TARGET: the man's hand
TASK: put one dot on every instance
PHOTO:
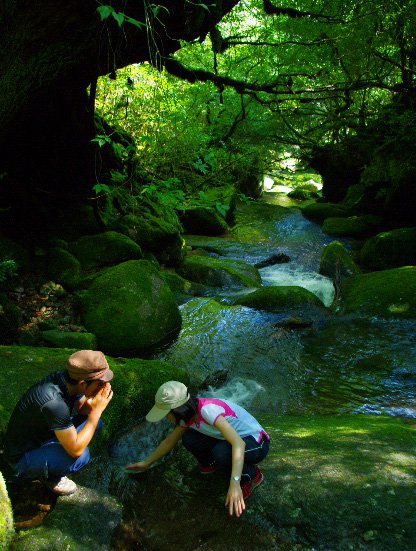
(138, 467)
(235, 500)
(100, 401)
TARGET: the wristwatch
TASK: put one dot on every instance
(235, 478)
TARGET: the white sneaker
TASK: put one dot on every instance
(63, 487)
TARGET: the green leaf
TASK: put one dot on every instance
(105, 11)
(136, 23)
(119, 17)
(101, 188)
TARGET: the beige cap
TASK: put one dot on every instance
(89, 365)
(170, 395)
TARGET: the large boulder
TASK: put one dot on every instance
(318, 212)
(218, 272)
(130, 309)
(352, 226)
(203, 220)
(155, 232)
(279, 298)
(6, 517)
(336, 262)
(104, 249)
(390, 249)
(387, 294)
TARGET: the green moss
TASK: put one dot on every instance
(203, 221)
(103, 249)
(218, 272)
(130, 309)
(390, 249)
(336, 262)
(354, 226)
(68, 339)
(63, 267)
(344, 482)
(6, 517)
(278, 299)
(134, 384)
(388, 294)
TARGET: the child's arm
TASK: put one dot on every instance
(234, 500)
(163, 448)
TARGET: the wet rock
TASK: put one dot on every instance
(353, 226)
(218, 272)
(336, 262)
(318, 212)
(203, 221)
(278, 298)
(390, 249)
(279, 258)
(293, 323)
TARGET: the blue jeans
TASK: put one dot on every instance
(207, 450)
(50, 461)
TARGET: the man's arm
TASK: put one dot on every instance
(73, 442)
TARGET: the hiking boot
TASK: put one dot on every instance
(208, 469)
(62, 487)
(257, 479)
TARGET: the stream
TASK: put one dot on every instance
(337, 365)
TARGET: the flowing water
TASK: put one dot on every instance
(337, 365)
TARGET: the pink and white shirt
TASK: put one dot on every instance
(209, 409)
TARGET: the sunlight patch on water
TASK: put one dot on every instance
(285, 274)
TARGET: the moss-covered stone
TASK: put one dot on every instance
(103, 249)
(6, 517)
(304, 192)
(344, 482)
(203, 221)
(353, 226)
(11, 250)
(130, 309)
(318, 212)
(160, 235)
(68, 339)
(388, 293)
(63, 267)
(182, 287)
(226, 196)
(218, 272)
(336, 262)
(134, 384)
(278, 299)
(390, 249)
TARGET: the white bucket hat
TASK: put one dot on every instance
(170, 395)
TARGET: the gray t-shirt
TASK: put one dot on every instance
(43, 409)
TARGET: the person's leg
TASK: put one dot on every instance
(50, 461)
(253, 454)
(200, 446)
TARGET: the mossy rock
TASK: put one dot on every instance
(390, 249)
(343, 482)
(226, 196)
(203, 221)
(387, 294)
(134, 384)
(318, 212)
(68, 339)
(336, 262)
(63, 267)
(10, 319)
(130, 309)
(304, 192)
(279, 299)
(218, 272)
(353, 226)
(104, 249)
(182, 287)
(157, 234)
(6, 517)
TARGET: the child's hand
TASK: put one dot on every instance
(137, 467)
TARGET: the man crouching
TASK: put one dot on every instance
(44, 439)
